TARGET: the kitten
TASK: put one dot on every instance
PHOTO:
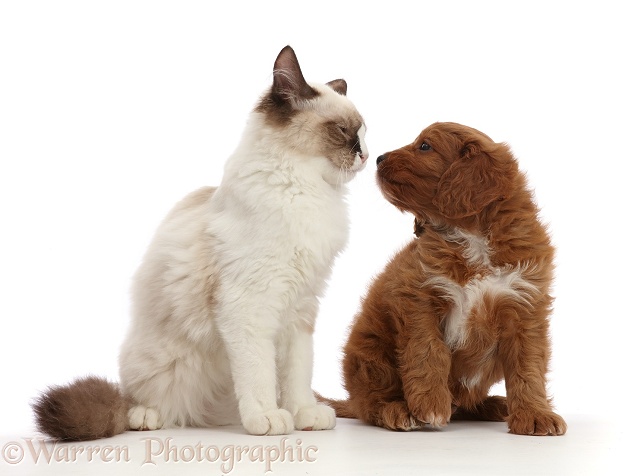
(225, 300)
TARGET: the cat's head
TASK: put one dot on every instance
(316, 121)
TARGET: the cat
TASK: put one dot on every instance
(225, 300)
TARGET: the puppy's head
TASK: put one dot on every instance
(449, 172)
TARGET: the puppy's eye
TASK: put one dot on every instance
(425, 146)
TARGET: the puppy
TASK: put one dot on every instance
(465, 304)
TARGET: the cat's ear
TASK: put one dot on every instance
(288, 80)
(339, 86)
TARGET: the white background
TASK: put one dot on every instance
(111, 111)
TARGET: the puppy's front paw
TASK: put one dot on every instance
(315, 417)
(396, 416)
(537, 423)
(434, 408)
(272, 422)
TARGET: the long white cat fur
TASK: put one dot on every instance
(225, 301)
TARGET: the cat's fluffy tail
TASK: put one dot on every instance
(87, 409)
(342, 407)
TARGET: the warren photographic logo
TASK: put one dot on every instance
(157, 451)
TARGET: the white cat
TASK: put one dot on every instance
(225, 301)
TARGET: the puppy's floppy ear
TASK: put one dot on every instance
(476, 179)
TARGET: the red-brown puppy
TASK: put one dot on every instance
(465, 304)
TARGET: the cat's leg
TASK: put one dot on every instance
(295, 363)
(139, 380)
(171, 384)
(251, 352)
(141, 417)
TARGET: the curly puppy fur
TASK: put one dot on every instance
(462, 306)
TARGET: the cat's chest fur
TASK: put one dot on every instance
(284, 226)
(284, 209)
(277, 225)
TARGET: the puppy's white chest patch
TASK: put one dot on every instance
(493, 282)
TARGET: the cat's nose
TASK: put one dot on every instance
(381, 158)
(364, 157)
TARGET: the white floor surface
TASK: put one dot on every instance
(591, 447)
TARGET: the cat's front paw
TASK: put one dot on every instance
(143, 418)
(315, 417)
(272, 422)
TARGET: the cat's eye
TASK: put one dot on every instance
(425, 146)
(343, 129)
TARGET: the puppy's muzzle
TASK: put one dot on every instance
(381, 158)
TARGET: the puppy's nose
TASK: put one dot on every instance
(381, 158)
